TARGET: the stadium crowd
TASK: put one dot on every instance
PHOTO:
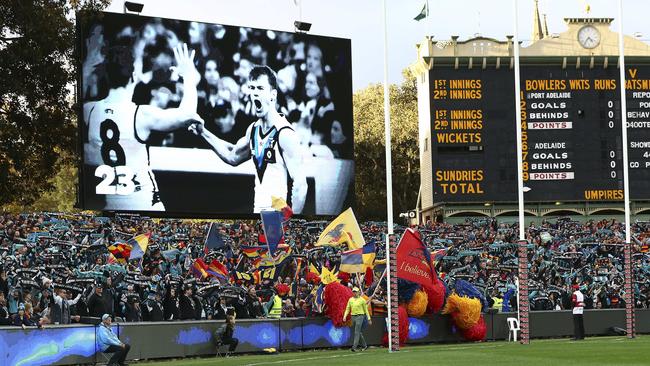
(62, 268)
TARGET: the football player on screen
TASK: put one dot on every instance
(270, 141)
(118, 130)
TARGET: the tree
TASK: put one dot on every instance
(370, 185)
(63, 195)
(37, 115)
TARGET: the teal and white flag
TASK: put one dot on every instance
(424, 12)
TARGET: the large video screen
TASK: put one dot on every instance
(204, 119)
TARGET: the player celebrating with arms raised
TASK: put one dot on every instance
(118, 129)
(270, 141)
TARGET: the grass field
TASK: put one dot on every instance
(556, 352)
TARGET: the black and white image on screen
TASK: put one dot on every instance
(158, 87)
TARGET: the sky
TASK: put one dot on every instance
(362, 21)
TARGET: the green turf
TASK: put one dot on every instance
(556, 352)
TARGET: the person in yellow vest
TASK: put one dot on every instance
(358, 308)
(273, 308)
(498, 303)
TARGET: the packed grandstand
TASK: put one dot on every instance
(90, 260)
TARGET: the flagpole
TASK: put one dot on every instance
(378, 283)
(427, 20)
(389, 180)
(241, 256)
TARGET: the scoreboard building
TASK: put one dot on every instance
(571, 125)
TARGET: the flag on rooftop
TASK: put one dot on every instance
(424, 12)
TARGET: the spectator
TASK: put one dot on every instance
(153, 308)
(221, 309)
(186, 304)
(255, 309)
(97, 303)
(273, 308)
(60, 313)
(4, 311)
(22, 318)
(4, 286)
(109, 343)
(479, 250)
(133, 311)
(171, 305)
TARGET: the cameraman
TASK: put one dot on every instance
(224, 335)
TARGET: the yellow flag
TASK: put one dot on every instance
(344, 230)
(278, 203)
(327, 276)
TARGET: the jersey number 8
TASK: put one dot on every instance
(112, 152)
(116, 177)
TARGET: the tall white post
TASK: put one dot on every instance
(520, 178)
(630, 315)
(389, 177)
(522, 290)
(626, 180)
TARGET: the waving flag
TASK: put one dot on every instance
(313, 269)
(214, 239)
(243, 276)
(253, 252)
(344, 230)
(352, 261)
(328, 276)
(319, 302)
(199, 269)
(120, 251)
(299, 262)
(218, 270)
(272, 223)
(139, 244)
(414, 259)
(424, 12)
(111, 259)
(438, 254)
(283, 253)
(369, 253)
(281, 205)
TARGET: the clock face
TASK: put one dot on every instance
(588, 36)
